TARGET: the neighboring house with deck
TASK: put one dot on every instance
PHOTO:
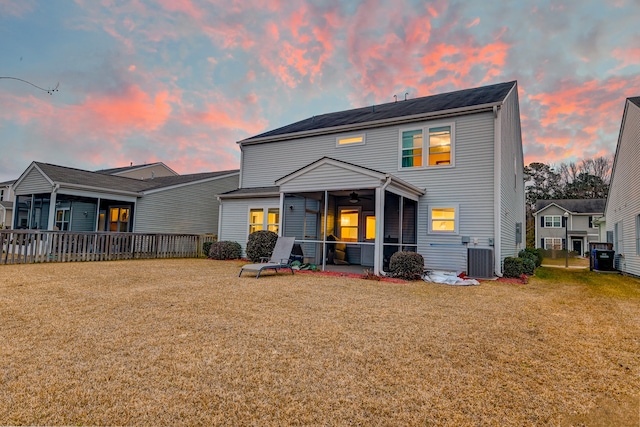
(572, 219)
(441, 175)
(623, 202)
(52, 197)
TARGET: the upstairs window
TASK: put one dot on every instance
(438, 150)
(350, 140)
(552, 221)
(412, 148)
(440, 146)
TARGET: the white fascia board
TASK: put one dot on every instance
(375, 124)
(333, 162)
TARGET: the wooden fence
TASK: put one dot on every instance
(31, 246)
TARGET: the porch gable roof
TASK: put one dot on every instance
(327, 173)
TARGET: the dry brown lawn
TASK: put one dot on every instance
(186, 342)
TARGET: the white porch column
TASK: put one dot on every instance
(282, 213)
(378, 248)
(52, 208)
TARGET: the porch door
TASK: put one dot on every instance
(369, 230)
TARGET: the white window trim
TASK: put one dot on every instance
(425, 146)
(349, 136)
(456, 219)
(265, 217)
(358, 226)
(552, 221)
(552, 239)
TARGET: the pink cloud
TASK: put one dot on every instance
(132, 108)
(182, 6)
(473, 23)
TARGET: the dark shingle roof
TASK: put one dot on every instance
(68, 175)
(429, 104)
(63, 174)
(168, 181)
(6, 183)
(575, 205)
(635, 100)
(257, 191)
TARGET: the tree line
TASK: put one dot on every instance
(587, 179)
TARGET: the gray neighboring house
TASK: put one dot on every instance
(622, 212)
(580, 225)
(52, 197)
(6, 204)
(441, 175)
(147, 171)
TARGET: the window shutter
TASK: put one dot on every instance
(564, 221)
(542, 221)
(564, 244)
(590, 221)
(542, 243)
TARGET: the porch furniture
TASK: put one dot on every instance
(280, 258)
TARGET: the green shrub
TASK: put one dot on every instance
(225, 250)
(406, 265)
(206, 247)
(528, 266)
(513, 267)
(534, 254)
(261, 244)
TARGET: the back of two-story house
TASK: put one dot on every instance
(568, 223)
(438, 175)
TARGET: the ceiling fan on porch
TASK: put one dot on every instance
(356, 198)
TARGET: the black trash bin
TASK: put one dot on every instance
(603, 259)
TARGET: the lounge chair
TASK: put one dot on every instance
(279, 258)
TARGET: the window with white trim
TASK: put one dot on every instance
(437, 150)
(443, 219)
(264, 219)
(343, 141)
(553, 243)
(553, 221)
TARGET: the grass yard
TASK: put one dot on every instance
(186, 342)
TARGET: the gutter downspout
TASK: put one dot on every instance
(497, 203)
(378, 244)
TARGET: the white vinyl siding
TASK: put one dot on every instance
(235, 217)
(469, 184)
(187, 209)
(623, 203)
(33, 183)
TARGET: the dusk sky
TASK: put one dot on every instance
(181, 81)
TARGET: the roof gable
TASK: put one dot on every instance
(451, 101)
(576, 206)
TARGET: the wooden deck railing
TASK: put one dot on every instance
(31, 246)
